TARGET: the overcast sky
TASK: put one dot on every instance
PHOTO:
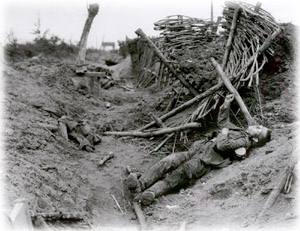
(116, 18)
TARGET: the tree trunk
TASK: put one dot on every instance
(92, 12)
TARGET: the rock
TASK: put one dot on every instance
(107, 104)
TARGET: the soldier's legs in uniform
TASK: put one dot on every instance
(192, 169)
(158, 170)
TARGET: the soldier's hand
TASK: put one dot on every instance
(229, 98)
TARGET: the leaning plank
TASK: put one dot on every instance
(231, 89)
(156, 132)
(230, 38)
(165, 61)
(140, 215)
(187, 104)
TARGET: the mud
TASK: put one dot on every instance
(55, 176)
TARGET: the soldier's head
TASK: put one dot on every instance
(259, 134)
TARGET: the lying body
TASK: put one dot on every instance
(178, 169)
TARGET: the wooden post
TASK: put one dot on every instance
(230, 38)
(231, 89)
(92, 12)
(257, 6)
(211, 12)
(166, 62)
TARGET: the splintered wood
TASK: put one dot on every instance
(92, 12)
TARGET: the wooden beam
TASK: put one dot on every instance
(232, 90)
(156, 132)
(164, 60)
(230, 37)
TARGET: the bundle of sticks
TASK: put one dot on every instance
(178, 31)
(249, 31)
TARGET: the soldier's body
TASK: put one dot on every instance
(177, 169)
(80, 131)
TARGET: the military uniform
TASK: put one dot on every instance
(80, 132)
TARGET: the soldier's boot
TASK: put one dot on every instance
(132, 182)
(156, 190)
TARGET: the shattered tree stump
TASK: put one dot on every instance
(92, 12)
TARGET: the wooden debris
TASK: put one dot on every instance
(166, 62)
(92, 12)
(62, 127)
(278, 187)
(59, 216)
(230, 38)
(109, 156)
(140, 215)
(157, 120)
(185, 105)
(117, 203)
(162, 143)
(231, 89)
(155, 133)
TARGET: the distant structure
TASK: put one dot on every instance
(111, 45)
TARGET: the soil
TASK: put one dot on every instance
(56, 176)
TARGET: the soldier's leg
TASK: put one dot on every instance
(192, 169)
(158, 170)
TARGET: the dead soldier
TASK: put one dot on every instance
(80, 132)
(178, 169)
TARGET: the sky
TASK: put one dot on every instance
(116, 18)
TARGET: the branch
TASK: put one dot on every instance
(155, 133)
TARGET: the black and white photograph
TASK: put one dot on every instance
(149, 115)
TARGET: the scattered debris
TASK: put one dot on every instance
(106, 158)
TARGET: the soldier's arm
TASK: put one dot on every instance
(232, 140)
(223, 116)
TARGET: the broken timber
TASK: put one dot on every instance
(140, 215)
(92, 12)
(215, 88)
(231, 89)
(166, 62)
(230, 38)
(277, 189)
(155, 133)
